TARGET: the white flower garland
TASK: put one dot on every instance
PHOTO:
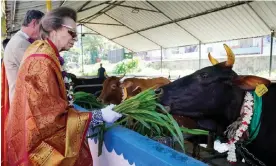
(247, 112)
(70, 90)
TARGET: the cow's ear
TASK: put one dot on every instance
(128, 84)
(248, 82)
(136, 90)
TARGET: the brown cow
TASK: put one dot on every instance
(133, 86)
(112, 88)
(111, 92)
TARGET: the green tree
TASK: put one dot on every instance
(99, 44)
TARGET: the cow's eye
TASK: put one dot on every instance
(204, 75)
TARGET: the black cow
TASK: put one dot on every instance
(82, 84)
(213, 96)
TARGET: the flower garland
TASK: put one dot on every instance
(246, 114)
(68, 83)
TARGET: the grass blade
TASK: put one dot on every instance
(194, 131)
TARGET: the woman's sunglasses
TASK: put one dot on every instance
(71, 32)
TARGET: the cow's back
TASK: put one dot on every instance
(153, 82)
(264, 146)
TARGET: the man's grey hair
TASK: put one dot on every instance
(30, 15)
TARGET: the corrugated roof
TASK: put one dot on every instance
(90, 12)
(147, 25)
(179, 9)
(104, 19)
(21, 8)
(266, 10)
(139, 4)
(232, 23)
(74, 4)
(136, 43)
(92, 3)
(170, 35)
(86, 29)
(139, 20)
(109, 31)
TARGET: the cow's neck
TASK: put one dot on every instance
(231, 111)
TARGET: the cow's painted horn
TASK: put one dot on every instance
(230, 56)
(212, 60)
(124, 94)
(122, 78)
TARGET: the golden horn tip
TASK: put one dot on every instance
(212, 60)
(230, 55)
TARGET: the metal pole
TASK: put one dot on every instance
(271, 50)
(48, 5)
(210, 141)
(161, 60)
(199, 56)
(81, 52)
(4, 23)
(13, 14)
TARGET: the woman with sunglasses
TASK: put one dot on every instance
(42, 128)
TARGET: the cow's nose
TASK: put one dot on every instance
(167, 108)
(99, 100)
(159, 91)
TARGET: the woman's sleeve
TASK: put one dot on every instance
(97, 117)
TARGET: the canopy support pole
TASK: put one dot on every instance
(48, 5)
(81, 51)
(199, 56)
(271, 52)
(161, 60)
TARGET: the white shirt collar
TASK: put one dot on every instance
(24, 34)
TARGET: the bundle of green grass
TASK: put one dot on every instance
(144, 115)
(140, 114)
(87, 100)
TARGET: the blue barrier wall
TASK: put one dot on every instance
(143, 151)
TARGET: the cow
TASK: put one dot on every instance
(133, 86)
(80, 84)
(213, 97)
(113, 87)
(112, 93)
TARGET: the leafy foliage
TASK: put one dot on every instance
(126, 66)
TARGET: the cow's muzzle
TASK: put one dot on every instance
(159, 92)
(167, 108)
(99, 100)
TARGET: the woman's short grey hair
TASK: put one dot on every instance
(54, 19)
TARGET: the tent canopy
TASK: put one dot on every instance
(148, 25)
